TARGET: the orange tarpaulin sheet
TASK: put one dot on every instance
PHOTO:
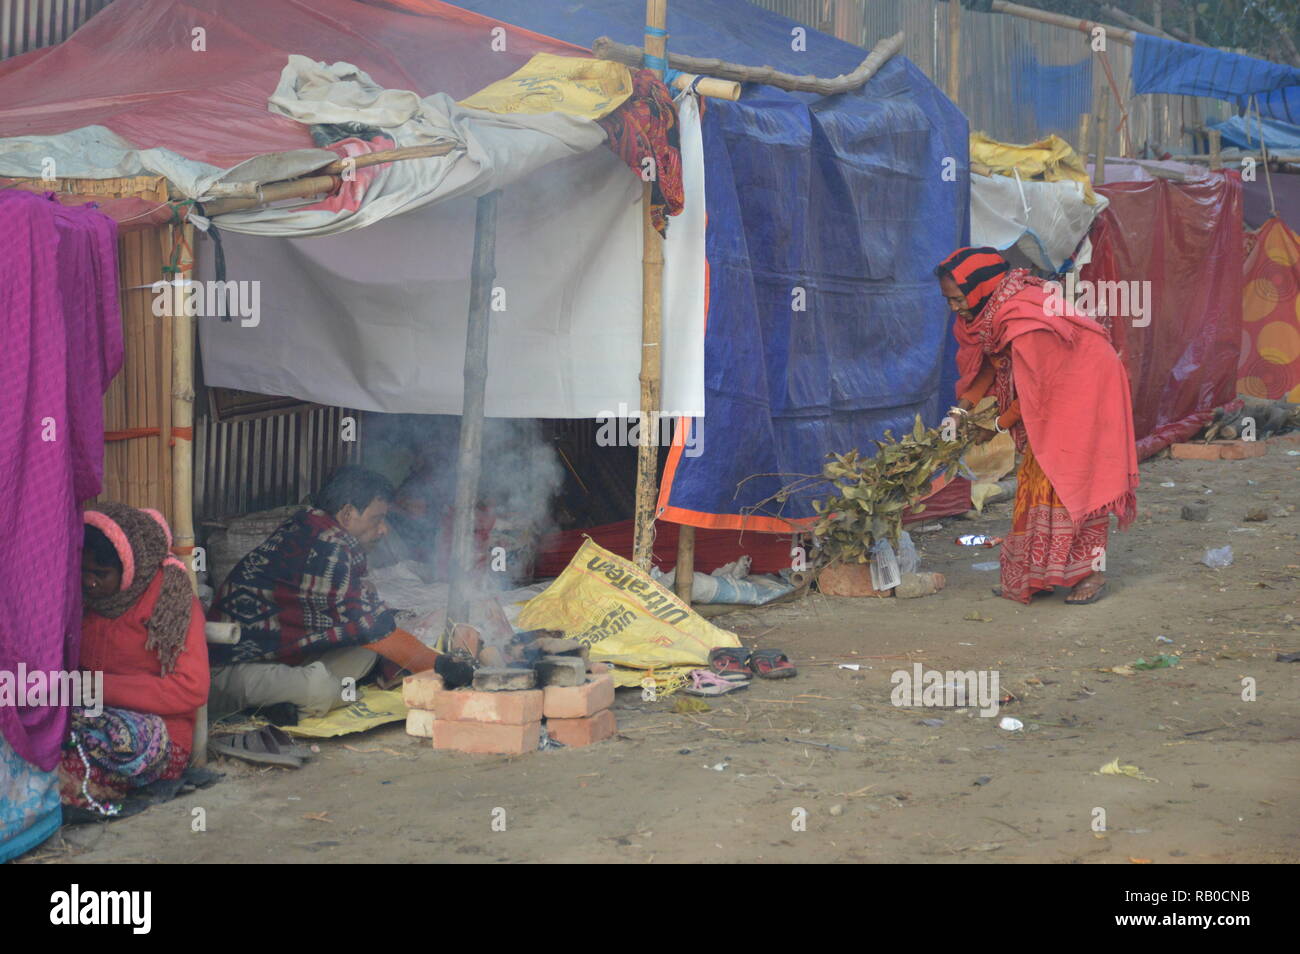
(1270, 314)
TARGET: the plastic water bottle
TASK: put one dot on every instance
(908, 561)
(884, 565)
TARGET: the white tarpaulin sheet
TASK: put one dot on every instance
(375, 319)
(1044, 220)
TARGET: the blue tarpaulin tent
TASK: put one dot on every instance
(1168, 66)
(843, 204)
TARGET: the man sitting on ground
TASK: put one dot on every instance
(309, 618)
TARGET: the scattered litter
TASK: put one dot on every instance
(1216, 559)
(1131, 771)
(977, 540)
(985, 567)
(932, 723)
(983, 779)
(974, 617)
(965, 644)
(687, 706)
(853, 666)
(1139, 861)
(1293, 453)
(1159, 661)
(1010, 724)
(1163, 639)
(1288, 657)
(1168, 483)
(837, 810)
(717, 766)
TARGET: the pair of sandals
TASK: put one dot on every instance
(264, 746)
(732, 668)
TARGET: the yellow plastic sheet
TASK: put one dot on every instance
(1051, 159)
(626, 618)
(373, 708)
(547, 83)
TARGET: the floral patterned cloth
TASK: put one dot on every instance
(1045, 548)
(29, 804)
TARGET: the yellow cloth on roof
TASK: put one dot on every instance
(579, 86)
(1050, 159)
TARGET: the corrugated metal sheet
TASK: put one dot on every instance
(994, 51)
(248, 465)
(30, 24)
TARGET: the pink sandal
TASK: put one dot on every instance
(706, 683)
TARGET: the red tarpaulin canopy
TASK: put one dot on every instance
(135, 69)
(1186, 239)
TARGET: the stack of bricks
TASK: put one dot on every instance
(498, 717)
(505, 722)
(580, 715)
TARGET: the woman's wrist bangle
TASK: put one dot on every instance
(997, 423)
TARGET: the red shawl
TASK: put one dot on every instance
(1074, 394)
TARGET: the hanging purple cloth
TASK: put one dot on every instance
(60, 345)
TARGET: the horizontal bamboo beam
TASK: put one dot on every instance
(327, 179)
(607, 49)
(1119, 34)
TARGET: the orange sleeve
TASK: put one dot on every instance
(405, 650)
(980, 386)
(1010, 416)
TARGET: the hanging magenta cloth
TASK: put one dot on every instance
(62, 331)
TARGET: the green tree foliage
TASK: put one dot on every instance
(1262, 28)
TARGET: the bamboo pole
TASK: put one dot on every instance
(180, 432)
(1103, 105)
(684, 580)
(607, 49)
(1216, 154)
(470, 461)
(954, 49)
(652, 279)
(1119, 34)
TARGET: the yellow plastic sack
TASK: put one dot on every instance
(988, 463)
(1050, 159)
(626, 618)
(578, 86)
(373, 708)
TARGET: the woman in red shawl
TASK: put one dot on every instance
(1064, 397)
(143, 628)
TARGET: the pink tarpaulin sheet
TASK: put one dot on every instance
(62, 333)
(1185, 238)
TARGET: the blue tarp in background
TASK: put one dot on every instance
(842, 196)
(1055, 95)
(1168, 66)
(1243, 133)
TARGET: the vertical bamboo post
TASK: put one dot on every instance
(684, 580)
(470, 462)
(1099, 97)
(1216, 149)
(652, 271)
(182, 417)
(954, 49)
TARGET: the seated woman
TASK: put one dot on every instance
(143, 628)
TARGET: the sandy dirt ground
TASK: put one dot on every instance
(876, 783)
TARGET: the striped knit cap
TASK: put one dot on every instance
(977, 272)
